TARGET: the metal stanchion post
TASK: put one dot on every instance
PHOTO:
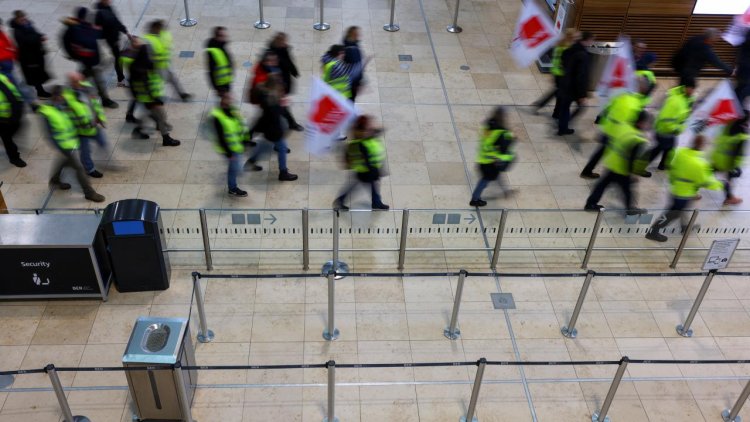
(206, 240)
(61, 399)
(331, 332)
(261, 24)
(454, 28)
(481, 364)
(601, 415)
(592, 239)
(452, 332)
(321, 25)
(179, 379)
(331, 365)
(684, 329)
(392, 27)
(733, 414)
(305, 239)
(570, 331)
(187, 21)
(499, 239)
(683, 241)
(339, 267)
(402, 243)
(204, 334)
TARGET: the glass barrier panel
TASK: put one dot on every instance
(183, 234)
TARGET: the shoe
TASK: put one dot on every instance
(107, 103)
(43, 95)
(276, 148)
(339, 205)
(138, 134)
(18, 162)
(341, 138)
(237, 192)
(566, 132)
(95, 197)
(168, 141)
(285, 176)
(589, 175)
(297, 127)
(95, 174)
(698, 197)
(250, 165)
(656, 236)
(122, 84)
(381, 207)
(661, 167)
(595, 207)
(645, 173)
(131, 119)
(636, 211)
(59, 185)
(34, 107)
(732, 200)
(478, 203)
(185, 97)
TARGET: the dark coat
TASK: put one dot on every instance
(353, 56)
(109, 22)
(286, 67)
(576, 62)
(693, 56)
(743, 61)
(81, 42)
(270, 123)
(30, 53)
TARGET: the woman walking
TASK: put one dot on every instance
(30, 52)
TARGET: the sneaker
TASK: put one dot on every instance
(131, 119)
(237, 192)
(645, 174)
(108, 103)
(297, 127)
(168, 141)
(380, 207)
(589, 175)
(636, 211)
(656, 236)
(566, 132)
(339, 205)
(59, 185)
(478, 203)
(185, 97)
(661, 167)
(95, 197)
(95, 174)
(250, 165)
(285, 176)
(18, 162)
(595, 207)
(139, 134)
(732, 200)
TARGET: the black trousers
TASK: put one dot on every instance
(541, 102)
(114, 45)
(562, 112)
(676, 210)
(664, 145)
(597, 155)
(624, 182)
(7, 130)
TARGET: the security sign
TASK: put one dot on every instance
(329, 114)
(534, 34)
(720, 254)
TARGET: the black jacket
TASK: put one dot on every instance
(575, 61)
(212, 43)
(109, 22)
(270, 123)
(30, 53)
(80, 40)
(286, 66)
(693, 56)
(743, 61)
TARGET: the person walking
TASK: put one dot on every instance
(231, 135)
(280, 45)
(270, 64)
(495, 154)
(31, 51)
(62, 134)
(337, 73)
(693, 56)
(728, 152)
(160, 43)
(81, 43)
(112, 27)
(574, 84)
(623, 159)
(272, 102)
(11, 111)
(670, 122)
(220, 65)
(365, 155)
(689, 171)
(742, 76)
(557, 71)
(8, 55)
(353, 57)
(86, 113)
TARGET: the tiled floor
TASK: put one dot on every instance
(431, 110)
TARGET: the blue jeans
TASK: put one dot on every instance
(233, 170)
(477, 194)
(264, 147)
(85, 151)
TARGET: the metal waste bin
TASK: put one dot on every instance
(160, 342)
(600, 53)
(136, 246)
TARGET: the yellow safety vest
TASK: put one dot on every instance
(63, 131)
(234, 128)
(5, 105)
(222, 74)
(82, 113)
(675, 111)
(620, 149)
(375, 154)
(688, 172)
(622, 112)
(557, 68)
(340, 84)
(161, 52)
(725, 145)
(488, 152)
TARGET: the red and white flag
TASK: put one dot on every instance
(735, 34)
(534, 34)
(619, 73)
(720, 107)
(330, 113)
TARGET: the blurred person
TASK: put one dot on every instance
(365, 155)
(728, 153)
(574, 83)
(495, 154)
(31, 51)
(269, 65)
(86, 113)
(220, 65)
(670, 122)
(742, 76)
(353, 57)
(336, 72)
(112, 27)
(280, 45)
(160, 43)
(693, 56)
(11, 112)
(231, 135)
(643, 61)
(8, 55)
(557, 71)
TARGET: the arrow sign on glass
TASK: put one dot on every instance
(272, 219)
(471, 218)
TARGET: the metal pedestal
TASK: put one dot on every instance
(391, 27)
(205, 338)
(569, 333)
(341, 268)
(322, 26)
(595, 418)
(683, 332)
(463, 419)
(262, 25)
(725, 417)
(188, 22)
(454, 29)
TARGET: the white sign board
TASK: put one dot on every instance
(562, 13)
(720, 254)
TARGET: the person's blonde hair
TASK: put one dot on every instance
(570, 37)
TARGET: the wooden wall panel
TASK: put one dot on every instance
(698, 23)
(662, 7)
(606, 27)
(606, 7)
(663, 34)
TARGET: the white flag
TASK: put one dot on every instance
(716, 110)
(330, 113)
(735, 35)
(619, 73)
(534, 34)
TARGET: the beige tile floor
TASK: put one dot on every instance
(431, 110)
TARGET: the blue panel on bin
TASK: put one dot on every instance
(124, 228)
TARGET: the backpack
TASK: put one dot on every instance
(66, 42)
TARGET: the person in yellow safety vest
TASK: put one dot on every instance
(728, 152)
(160, 43)
(365, 155)
(621, 112)
(231, 135)
(689, 171)
(64, 136)
(220, 65)
(623, 160)
(557, 71)
(495, 154)
(336, 72)
(670, 121)
(11, 111)
(86, 112)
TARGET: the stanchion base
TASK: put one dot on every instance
(341, 269)
(391, 28)
(6, 381)
(188, 22)
(683, 332)
(454, 29)
(725, 417)
(334, 420)
(473, 419)
(569, 333)
(322, 26)
(329, 337)
(452, 335)
(81, 419)
(595, 418)
(206, 338)
(262, 25)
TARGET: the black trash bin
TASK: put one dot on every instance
(136, 246)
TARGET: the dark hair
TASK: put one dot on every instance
(19, 14)
(56, 91)
(497, 118)
(335, 50)
(266, 54)
(81, 13)
(362, 123)
(688, 81)
(218, 29)
(587, 36)
(643, 117)
(156, 26)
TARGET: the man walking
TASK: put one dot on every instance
(670, 122)
(11, 111)
(231, 135)
(574, 84)
(160, 42)
(112, 27)
(695, 54)
(220, 66)
(86, 112)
